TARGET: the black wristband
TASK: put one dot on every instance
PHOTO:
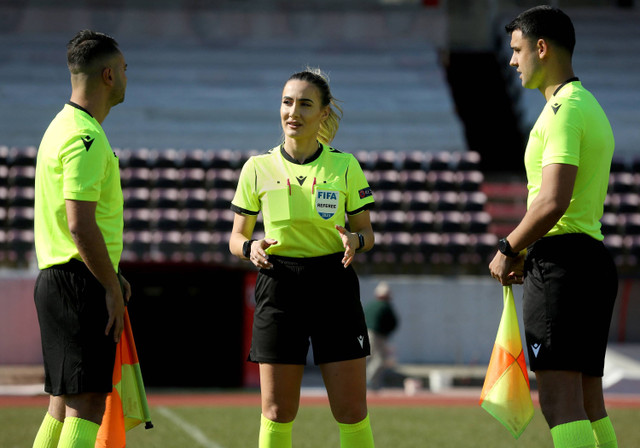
(360, 240)
(246, 248)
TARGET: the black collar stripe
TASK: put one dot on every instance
(77, 106)
(565, 83)
(309, 160)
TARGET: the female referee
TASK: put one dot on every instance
(306, 289)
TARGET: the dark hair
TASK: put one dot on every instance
(87, 48)
(545, 22)
(329, 127)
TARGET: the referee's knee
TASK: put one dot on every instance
(279, 413)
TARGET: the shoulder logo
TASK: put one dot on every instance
(535, 348)
(365, 192)
(555, 108)
(88, 141)
(301, 179)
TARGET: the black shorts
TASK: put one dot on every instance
(570, 286)
(308, 299)
(78, 356)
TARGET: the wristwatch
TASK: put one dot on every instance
(505, 248)
(360, 241)
(246, 248)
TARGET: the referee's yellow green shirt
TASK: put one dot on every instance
(302, 203)
(75, 161)
(573, 129)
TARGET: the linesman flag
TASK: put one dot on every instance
(126, 405)
(506, 392)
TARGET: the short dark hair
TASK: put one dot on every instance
(87, 47)
(545, 22)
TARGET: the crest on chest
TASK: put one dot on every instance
(327, 203)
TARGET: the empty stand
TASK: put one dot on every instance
(137, 219)
(134, 158)
(193, 177)
(220, 198)
(22, 156)
(195, 219)
(20, 218)
(136, 177)
(166, 219)
(389, 200)
(411, 160)
(417, 200)
(20, 196)
(165, 158)
(136, 198)
(194, 198)
(165, 178)
(434, 212)
(22, 175)
(413, 180)
(442, 180)
(420, 221)
(221, 178)
(165, 198)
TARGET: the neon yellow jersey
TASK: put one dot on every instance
(573, 129)
(302, 203)
(75, 161)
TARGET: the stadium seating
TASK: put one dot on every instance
(433, 213)
(136, 198)
(22, 156)
(194, 198)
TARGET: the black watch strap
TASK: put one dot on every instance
(505, 248)
(360, 241)
(246, 248)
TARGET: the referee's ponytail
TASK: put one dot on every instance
(329, 127)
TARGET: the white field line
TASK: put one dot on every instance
(193, 431)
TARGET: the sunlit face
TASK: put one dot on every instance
(301, 110)
(119, 69)
(526, 60)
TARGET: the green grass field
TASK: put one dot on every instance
(394, 427)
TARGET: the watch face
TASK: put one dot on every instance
(505, 248)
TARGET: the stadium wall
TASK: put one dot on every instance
(187, 318)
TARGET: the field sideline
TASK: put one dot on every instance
(231, 419)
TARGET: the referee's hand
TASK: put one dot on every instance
(350, 243)
(258, 255)
(115, 310)
(507, 270)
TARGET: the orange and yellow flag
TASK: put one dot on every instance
(126, 405)
(506, 392)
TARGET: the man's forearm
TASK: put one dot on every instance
(536, 223)
(93, 250)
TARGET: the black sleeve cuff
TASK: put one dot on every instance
(361, 209)
(243, 211)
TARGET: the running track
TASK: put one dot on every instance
(384, 398)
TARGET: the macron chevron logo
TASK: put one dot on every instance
(536, 349)
(88, 141)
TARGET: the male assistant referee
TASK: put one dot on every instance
(79, 295)
(570, 280)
